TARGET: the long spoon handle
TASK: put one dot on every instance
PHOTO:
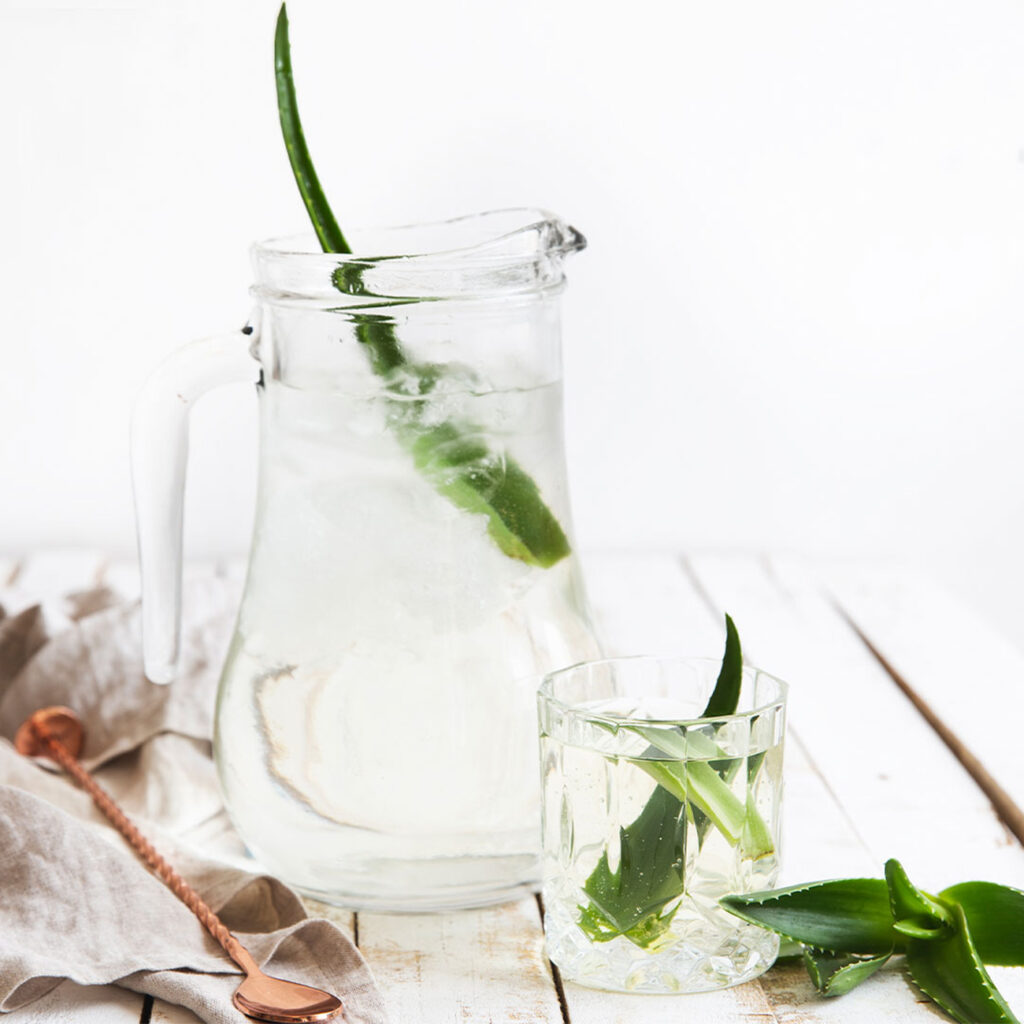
(143, 847)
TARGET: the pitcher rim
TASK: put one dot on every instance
(497, 255)
(564, 239)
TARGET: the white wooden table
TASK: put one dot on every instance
(906, 712)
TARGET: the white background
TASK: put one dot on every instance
(798, 325)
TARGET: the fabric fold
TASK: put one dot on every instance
(77, 903)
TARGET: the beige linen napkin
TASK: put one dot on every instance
(75, 901)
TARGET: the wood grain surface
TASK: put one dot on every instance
(904, 715)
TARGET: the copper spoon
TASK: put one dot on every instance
(57, 733)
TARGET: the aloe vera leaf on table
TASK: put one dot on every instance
(835, 974)
(995, 917)
(915, 914)
(850, 927)
(849, 915)
(949, 970)
(495, 486)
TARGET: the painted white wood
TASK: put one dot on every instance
(74, 1004)
(167, 1013)
(646, 604)
(650, 604)
(232, 568)
(903, 791)
(8, 570)
(746, 1003)
(471, 967)
(49, 574)
(12, 600)
(865, 778)
(887, 997)
(970, 675)
(122, 576)
(45, 577)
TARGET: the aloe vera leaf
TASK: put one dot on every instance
(756, 839)
(699, 783)
(324, 224)
(464, 470)
(850, 915)
(995, 916)
(912, 928)
(726, 693)
(691, 775)
(950, 972)
(377, 336)
(916, 914)
(519, 521)
(375, 332)
(664, 814)
(631, 900)
(835, 974)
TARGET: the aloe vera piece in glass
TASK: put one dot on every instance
(633, 867)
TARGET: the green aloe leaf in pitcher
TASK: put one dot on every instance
(450, 455)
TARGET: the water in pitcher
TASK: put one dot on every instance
(376, 729)
(411, 574)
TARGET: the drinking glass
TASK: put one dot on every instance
(652, 813)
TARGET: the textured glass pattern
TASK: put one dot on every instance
(650, 816)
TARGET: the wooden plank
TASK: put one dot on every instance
(647, 605)
(168, 1013)
(52, 573)
(488, 966)
(11, 599)
(9, 568)
(901, 789)
(69, 1003)
(122, 576)
(951, 661)
(233, 568)
(471, 967)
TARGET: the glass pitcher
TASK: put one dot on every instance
(412, 571)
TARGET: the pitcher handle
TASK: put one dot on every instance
(159, 454)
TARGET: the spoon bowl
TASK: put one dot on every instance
(267, 998)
